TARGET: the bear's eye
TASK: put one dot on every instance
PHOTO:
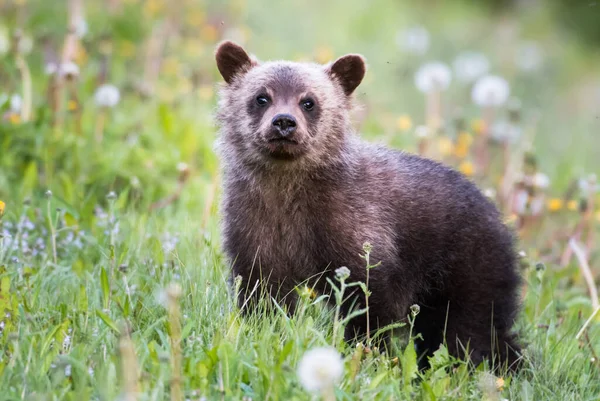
(262, 100)
(308, 104)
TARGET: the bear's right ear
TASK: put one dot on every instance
(232, 60)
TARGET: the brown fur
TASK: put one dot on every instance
(297, 210)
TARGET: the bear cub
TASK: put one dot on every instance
(302, 194)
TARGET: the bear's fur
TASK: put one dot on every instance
(300, 202)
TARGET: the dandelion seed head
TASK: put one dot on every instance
(69, 70)
(468, 66)
(433, 76)
(505, 132)
(540, 180)
(414, 40)
(529, 57)
(490, 91)
(107, 95)
(320, 368)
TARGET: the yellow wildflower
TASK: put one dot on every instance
(555, 204)
(308, 292)
(72, 105)
(153, 7)
(324, 54)
(478, 126)
(500, 384)
(467, 168)
(2, 205)
(404, 123)
(14, 118)
(445, 146)
(572, 205)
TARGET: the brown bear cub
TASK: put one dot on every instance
(302, 194)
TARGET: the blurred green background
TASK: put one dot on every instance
(109, 186)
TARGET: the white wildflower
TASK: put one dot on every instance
(320, 369)
(520, 201)
(66, 343)
(342, 273)
(413, 40)
(505, 132)
(589, 185)
(541, 181)
(434, 76)
(50, 68)
(490, 91)
(15, 103)
(422, 131)
(69, 70)
(468, 66)
(68, 370)
(490, 193)
(530, 56)
(81, 27)
(107, 96)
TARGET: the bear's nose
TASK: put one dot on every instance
(285, 124)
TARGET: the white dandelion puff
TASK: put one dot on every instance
(69, 70)
(490, 91)
(413, 40)
(320, 369)
(422, 131)
(589, 185)
(541, 181)
(15, 103)
(107, 96)
(529, 57)
(50, 68)
(80, 27)
(505, 132)
(468, 66)
(434, 76)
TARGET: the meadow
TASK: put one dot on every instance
(113, 284)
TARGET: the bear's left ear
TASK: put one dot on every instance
(349, 70)
(232, 60)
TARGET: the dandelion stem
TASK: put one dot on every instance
(585, 270)
(587, 323)
(27, 96)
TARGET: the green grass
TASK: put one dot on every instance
(63, 316)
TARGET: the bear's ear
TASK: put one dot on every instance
(349, 70)
(232, 60)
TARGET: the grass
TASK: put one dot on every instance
(113, 285)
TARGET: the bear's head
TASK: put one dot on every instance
(282, 113)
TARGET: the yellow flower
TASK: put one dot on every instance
(467, 168)
(500, 384)
(72, 105)
(404, 123)
(209, 33)
(463, 144)
(2, 205)
(445, 146)
(324, 54)
(478, 126)
(573, 205)
(555, 204)
(308, 292)
(153, 7)
(14, 118)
